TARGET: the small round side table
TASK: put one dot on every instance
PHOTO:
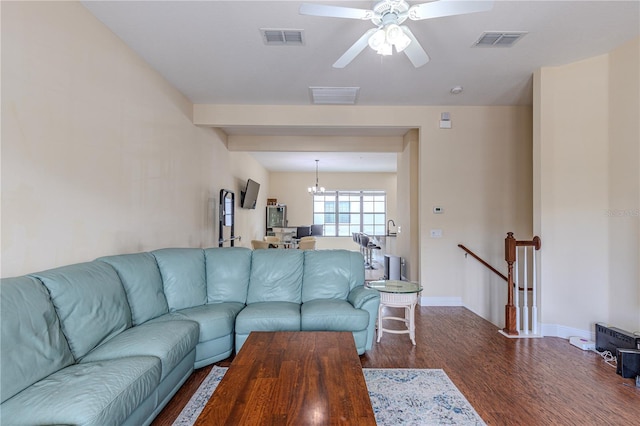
(397, 294)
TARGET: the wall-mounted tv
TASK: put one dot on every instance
(249, 196)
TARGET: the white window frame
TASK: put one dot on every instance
(367, 210)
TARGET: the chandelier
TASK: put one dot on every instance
(315, 190)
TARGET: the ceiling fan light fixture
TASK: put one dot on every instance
(385, 50)
(393, 33)
(377, 40)
(388, 36)
(402, 43)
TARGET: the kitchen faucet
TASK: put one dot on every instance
(388, 227)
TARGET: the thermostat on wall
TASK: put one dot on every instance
(445, 120)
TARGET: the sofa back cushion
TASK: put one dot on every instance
(33, 345)
(276, 276)
(142, 282)
(90, 302)
(331, 274)
(183, 276)
(228, 271)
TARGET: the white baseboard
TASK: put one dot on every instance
(551, 330)
(441, 301)
(522, 335)
(555, 330)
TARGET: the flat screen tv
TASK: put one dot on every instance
(249, 196)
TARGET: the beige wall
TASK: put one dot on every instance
(479, 172)
(99, 153)
(407, 218)
(587, 189)
(624, 186)
(249, 223)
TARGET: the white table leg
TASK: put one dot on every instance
(379, 322)
(412, 324)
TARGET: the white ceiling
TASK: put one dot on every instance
(213, 52)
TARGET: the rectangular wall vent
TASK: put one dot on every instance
(334, 95)
(281, 37)
(499, 39)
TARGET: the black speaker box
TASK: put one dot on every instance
(628, 361)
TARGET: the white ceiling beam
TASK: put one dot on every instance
(315, 143)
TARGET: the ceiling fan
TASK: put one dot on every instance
(387, 16)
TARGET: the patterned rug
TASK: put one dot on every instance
(398, 396)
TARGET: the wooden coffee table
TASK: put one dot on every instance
(292, 378)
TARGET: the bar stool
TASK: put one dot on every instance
(368, 246)
(372, 246)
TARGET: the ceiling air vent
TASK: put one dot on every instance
(334, 95)
(280, 37)
(499, 39)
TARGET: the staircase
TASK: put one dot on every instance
(521, 310)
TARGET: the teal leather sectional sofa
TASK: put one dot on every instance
(109, 342)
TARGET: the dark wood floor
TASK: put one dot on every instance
(508, 381)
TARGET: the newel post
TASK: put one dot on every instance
(510, 326)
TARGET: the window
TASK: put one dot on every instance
(345, 212)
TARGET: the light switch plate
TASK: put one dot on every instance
(436, 233)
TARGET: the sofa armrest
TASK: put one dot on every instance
(369, 300)
(360, 295)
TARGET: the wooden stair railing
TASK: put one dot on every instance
(476, 257)
(510, 248)
(510, 310)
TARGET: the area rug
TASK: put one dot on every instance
(398, 396)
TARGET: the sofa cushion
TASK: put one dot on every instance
(142, 282)
(92, 394)
(332, 315)
(90, 302)
(169, 341)
(276, 276)
(183, 276)
(228, 271)
(335, 282)
(268, 316)
(215, 319)
(32, 344)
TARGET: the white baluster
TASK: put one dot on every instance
(534, 305)
(525, 305)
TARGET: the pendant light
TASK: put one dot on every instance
(316, 190)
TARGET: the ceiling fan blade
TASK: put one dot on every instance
(414, 51)
(440, 8)
(334, 11)
(354, 50)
